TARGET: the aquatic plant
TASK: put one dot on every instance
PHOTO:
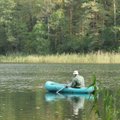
(104, 106)
(110, 111)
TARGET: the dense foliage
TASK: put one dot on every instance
(59, 26)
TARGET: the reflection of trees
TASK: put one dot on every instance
(17, 105)
(24, 105)
(6, 107)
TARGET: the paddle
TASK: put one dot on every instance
(66, 86)
(61, 89)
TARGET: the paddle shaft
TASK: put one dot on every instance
(60, 89)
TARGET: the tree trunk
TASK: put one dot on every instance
(114, 7)
(70, 20)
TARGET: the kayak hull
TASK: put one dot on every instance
(54, 87)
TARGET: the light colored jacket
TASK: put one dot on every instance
(78, 81)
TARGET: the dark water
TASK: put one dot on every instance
(23, 97)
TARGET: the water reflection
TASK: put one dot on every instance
(49, 97)
(77, 104)
(17, 105)
(39, 105)
(76, 101)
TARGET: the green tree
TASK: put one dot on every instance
(59, 26)
(40, 44)
(57, 29)
(6, 37)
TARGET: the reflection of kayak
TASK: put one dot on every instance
(53, 97)
(54, 87)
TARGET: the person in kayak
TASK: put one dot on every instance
(77, 81)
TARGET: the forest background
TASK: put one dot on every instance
(59, 26)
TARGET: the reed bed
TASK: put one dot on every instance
(98, 57)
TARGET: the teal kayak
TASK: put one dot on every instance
(54, 87)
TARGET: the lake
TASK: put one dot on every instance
(23, 97)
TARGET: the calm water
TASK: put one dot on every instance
(23, 97)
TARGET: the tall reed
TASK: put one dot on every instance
(98, 57)
(104, 106)
(110, 111)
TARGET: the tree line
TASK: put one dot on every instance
(59, 26)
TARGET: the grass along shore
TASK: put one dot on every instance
(98, 57)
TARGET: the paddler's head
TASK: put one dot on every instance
(75, 72)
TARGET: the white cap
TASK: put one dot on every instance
(75, 72)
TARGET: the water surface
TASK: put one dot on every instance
(23, 97)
